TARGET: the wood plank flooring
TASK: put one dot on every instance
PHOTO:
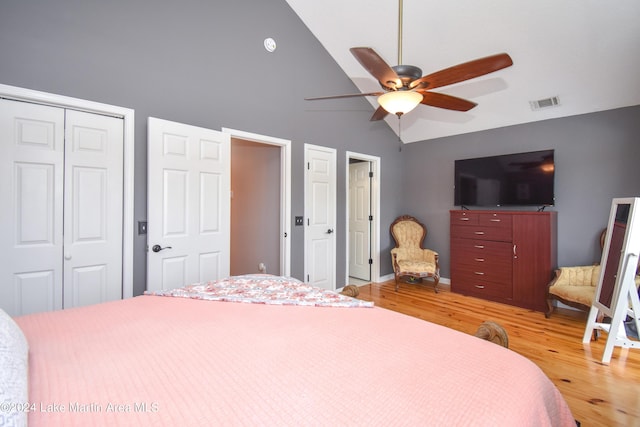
(598, 394)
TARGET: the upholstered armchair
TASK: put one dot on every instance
(409, 257)
(576, 286)
(573, 286)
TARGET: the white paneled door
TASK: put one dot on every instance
(320, 216)
(188, 204)
(61, 216)
(360, 220)
(92, 209)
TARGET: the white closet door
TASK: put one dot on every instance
(31, 189)
(61, 213)
(359, 223)
(92, 209)
(320, 214)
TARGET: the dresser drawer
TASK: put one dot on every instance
(481, 232)
(480, 254)
(463, 217)
(495, 219)
(481, 273)
(481, 248)
(470, 284)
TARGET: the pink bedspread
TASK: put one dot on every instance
(162, 361)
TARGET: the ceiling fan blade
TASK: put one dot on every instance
(351, 95)
(462, 72)
(448, 102)
(379, 114)
(377, 67)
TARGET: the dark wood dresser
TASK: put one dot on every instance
(503, 256)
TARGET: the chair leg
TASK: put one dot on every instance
(396, 276)
(436, 280)
(547, 314)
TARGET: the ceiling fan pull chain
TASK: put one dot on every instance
(399, 133)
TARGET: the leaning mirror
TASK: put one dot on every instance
(616, 298)
(611, 255)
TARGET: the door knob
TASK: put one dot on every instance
(329, 231)
(158, 248)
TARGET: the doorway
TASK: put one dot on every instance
(255, 207)
(362, 218)
(260, 176)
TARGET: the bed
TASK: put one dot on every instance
(267, 350)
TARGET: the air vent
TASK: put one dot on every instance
(541, 104)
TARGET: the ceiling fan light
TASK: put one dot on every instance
(399, 102)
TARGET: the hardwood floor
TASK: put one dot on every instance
(598, 394)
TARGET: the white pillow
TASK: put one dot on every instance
(14, 363)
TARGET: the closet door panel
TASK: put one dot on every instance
(35, 291)
(89, 285)
(93, 209)
(34, 200)
(31, 212)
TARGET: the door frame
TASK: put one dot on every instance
(375, 211)
(128, 116)
(285, 189)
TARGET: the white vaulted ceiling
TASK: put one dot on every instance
(585, 52)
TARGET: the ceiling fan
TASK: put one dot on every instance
(404, 86)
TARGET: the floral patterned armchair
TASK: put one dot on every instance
(409, 258)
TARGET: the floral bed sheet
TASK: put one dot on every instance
(263, 289)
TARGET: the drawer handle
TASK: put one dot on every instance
(479, 233)
(463, 219)
(479, 259)
(479, 286)
(478, 246)
(479, 273)
(495, 220)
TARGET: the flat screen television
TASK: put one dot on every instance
(520, 179)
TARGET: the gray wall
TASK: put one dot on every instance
(596, 155)
(203, 63)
